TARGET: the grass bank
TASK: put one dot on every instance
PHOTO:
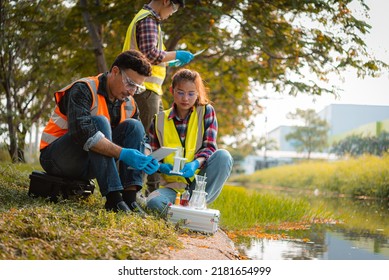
(244, 209)
(73, 229)
(364, 176)
(33, 228)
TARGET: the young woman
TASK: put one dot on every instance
(190, 123)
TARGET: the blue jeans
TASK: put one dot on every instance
(217, 168)
(65, 158)
(149, 104)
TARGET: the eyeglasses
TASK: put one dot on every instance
(174, 6)
(190, 95)
(130, 85)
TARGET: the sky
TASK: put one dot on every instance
(368, 91)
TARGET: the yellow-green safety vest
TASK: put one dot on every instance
(168, 137)
(158, 72)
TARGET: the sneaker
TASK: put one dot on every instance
(121, 206)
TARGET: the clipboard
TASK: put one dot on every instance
(196, 54)
(162, 152)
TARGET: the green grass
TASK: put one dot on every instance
(364, 176)
(32, 228)
(242, 208)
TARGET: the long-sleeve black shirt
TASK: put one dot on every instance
(76, 105)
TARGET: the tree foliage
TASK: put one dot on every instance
(264, 143)
(29, 35)
(312, 135)
(357, 145)
(249, 145)
(290, 45)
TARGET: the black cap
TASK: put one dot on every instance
(180, 2)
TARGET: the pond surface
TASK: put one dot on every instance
(360, 236)
(335, 245)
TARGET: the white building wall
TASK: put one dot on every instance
(345, 117)
(279, 134)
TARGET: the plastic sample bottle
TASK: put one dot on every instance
(178, 199)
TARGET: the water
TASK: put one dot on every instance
(360, 237)
(335, 245)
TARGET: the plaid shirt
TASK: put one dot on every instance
(147, 37)
(209, 145)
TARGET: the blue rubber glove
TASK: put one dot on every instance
(184, 56)
(152, 167)
(165, 168)
(134, 158)
(190, 168)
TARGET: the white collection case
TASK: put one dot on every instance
(204, 220)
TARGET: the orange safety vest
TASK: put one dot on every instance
(58, 123)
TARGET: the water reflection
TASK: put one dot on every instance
(362, 236)
(324, 244)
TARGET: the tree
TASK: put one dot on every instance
(242, 146)
(248, 42)
(275, 43)
(357, 145)
(266, 144)
(29, 43)
(95, 32)
(312, 135)
(46, 44)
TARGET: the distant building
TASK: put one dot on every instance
(370, 129)
(253, 163)
(343, 119)
(347, 117)
(278, 134)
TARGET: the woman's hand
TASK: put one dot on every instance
(190, 169)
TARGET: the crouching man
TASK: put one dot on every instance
(95, 123)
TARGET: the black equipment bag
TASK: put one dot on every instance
(49, 186)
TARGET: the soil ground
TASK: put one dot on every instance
(203, 247)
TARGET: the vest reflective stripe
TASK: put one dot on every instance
(154, 80)
(200, 132)
(128, 109)
(47, 138)
(158, 72)
(58, 123)
(168, 137)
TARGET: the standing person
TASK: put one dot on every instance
(145, 34)
(95, 122)
(190, 123)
